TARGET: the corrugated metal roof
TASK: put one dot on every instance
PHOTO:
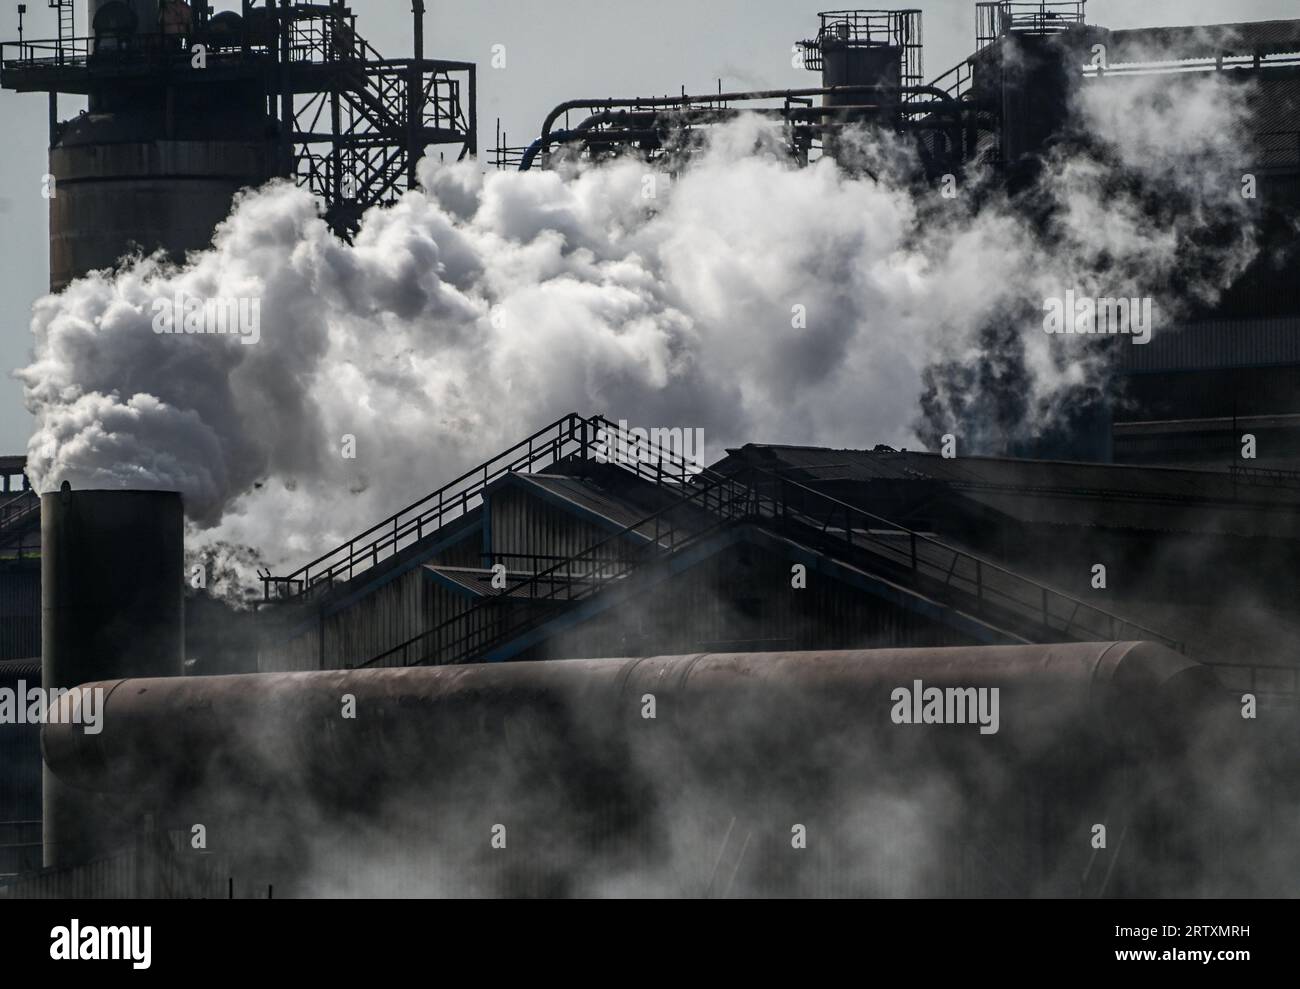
(1209, 40)
(1048, 476)
(1215, 344)
(618, 507)
(1160, 499)
(1267, 131)
(603, 503)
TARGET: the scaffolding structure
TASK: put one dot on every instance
(899, 29)
(995, 19)
(352, 125)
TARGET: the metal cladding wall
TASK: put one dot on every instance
(593, 791)
(741, 599)
(116, 194)
(345, 630)
(146, 868)
(1217, 344)
(20, 775)
(522, 524)
(112, 605)
(525, 533)
(388, 616)
(847, 64)
(20, 610)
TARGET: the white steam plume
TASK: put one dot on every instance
(475, 311)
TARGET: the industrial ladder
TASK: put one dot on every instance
(67, 25)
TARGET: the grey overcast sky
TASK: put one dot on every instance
(555, 50)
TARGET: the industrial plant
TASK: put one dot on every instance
(600, 656)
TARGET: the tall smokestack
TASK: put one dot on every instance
(112, 605)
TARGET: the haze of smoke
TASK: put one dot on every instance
(597, 802)
(1140, 199)
(479, 309)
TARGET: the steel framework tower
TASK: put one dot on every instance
(187, 106)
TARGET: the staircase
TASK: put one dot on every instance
(18, 517)
(569, 437)
(971, 585)
(382, 108)
(701, 511)
(706, 503)
(426, 516)
(956, 81)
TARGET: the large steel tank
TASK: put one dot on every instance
(157, 165)
(846, 62)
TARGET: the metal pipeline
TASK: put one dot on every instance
(668, 103)
(178, 735)
(626, 771)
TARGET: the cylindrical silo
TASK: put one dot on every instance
(868, 48)
(112, 605)
(857, 62)
(115, 19)
(152, 165)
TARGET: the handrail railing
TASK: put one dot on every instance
(316, 39)
(986, 581)
(666, 536)
(998, 17)
(19, 507)
(1265, 476)
(571, 434)
(960, 74)
(1269, 669)
(13, 514)
(991, 591)
(424, 516)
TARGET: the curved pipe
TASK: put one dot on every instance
(531, 152)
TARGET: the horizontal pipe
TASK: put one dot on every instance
(184, 734)
(544, 141)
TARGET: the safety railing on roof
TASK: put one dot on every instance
(956, 81)
(992, 591)
(1265, 476)
(984, 589)
(999, 17)
(590, 438)
(430, 513)
(1270, 679)
(899, 29)
(133, 53)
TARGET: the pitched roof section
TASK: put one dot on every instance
(1051, 492)
(1209, 40)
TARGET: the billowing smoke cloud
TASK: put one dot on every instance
(758, 300)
